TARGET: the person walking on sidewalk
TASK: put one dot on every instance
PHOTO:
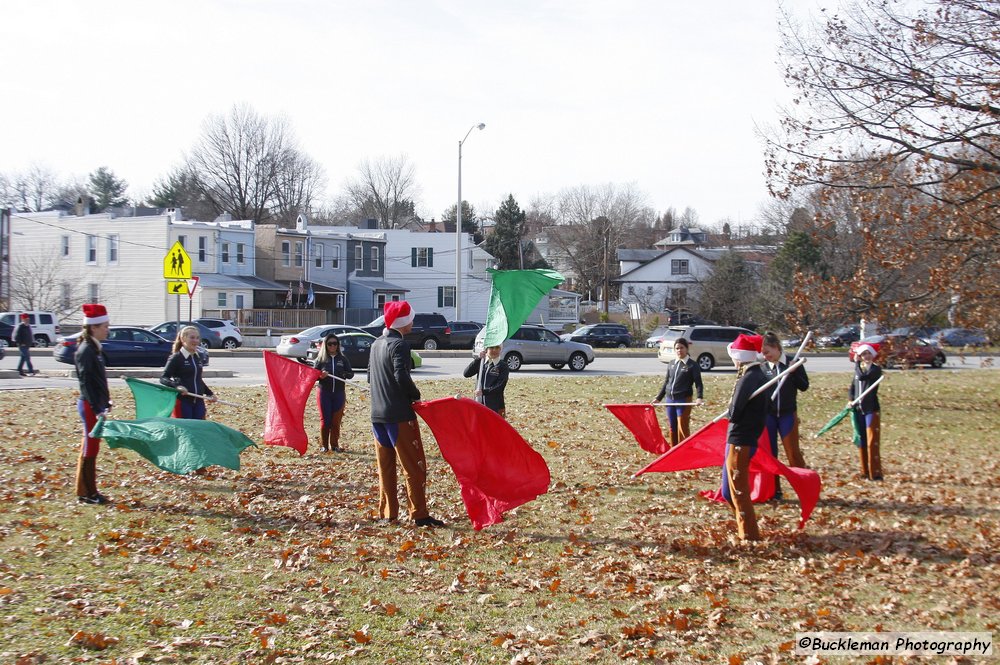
(24, 338)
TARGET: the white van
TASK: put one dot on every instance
(44, 325)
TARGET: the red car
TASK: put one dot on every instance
(903, 351)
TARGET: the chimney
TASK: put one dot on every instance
(82, 206)
(301, 223)
(371, 223)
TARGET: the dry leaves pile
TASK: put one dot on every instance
(282, 563)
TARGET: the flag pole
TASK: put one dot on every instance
(771, 382)
(857, 401)
(673, 403)
(798, 353)
(350, 383)
(208, 397)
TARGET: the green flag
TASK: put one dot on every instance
(834, 421)
(152, 400)
(514, 295)
(176, 445)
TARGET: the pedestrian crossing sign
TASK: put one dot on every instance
(177, 264)
(177, 286)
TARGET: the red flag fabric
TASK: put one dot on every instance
(707, 448)
(288, 386)
(495, 467)
(641, 420)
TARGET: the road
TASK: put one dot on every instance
(247, 368)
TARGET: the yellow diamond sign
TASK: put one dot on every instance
(177, 264)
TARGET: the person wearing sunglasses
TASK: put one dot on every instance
(332, 395)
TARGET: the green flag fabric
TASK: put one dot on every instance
(514, 295)
(834, 421)
(152, 400)
(176, 445)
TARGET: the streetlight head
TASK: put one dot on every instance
(481, 125)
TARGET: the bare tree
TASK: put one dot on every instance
(31, 190)
(42, 282)
(384, 190)
(299, 180)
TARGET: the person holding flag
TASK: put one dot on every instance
(683, 376)
(867, 412)
(491, 374)
(747, 416)
(394, 423)
(782, 405)
(332, 393)
(183, 371)
(95, 398)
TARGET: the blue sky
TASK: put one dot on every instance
(663, 94)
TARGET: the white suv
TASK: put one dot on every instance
(44, 325)
(707, 344)
(231, 336)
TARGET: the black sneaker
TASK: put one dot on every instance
(94, 499)
(428, 521)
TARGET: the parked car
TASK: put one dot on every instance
(463, 333)
(3, 348)
(6, 333)
(707, 344)
(842, 336)
(44, 325)
(430, 331)
(902, 350)
(125, 346)
(923, 332)
(297, 345)
(656, 337)
(357, 346)
(613, 335)
(962, 337)
(210, 339)
(232, 338)
(792, 341)
(535, 345)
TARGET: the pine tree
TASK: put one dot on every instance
(107, 190)
(504, 243)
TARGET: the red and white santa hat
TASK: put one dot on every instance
(870, 347)
(94, 313)
(398, 314)
(24, 316)
(746, 348)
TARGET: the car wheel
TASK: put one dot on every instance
(706, 362)
(513, 361)
(577, 362)
(557, 365)
(230, 344)
(41, 340)
(937, 361)
(622, 345)
(430, 344)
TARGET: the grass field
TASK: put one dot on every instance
(280, 562)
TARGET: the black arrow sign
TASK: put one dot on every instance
(177, 288)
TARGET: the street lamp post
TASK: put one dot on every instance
(458, 228)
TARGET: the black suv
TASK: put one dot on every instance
(430, 331)
(601, 334)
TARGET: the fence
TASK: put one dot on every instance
(261, 320)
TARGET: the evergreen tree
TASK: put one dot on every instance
(470, 222)
(728, 296)
(504, 243)
(107, 190)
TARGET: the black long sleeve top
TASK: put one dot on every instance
(90, 370)
(494, 382)
(862, 380)
(683, 376)
(184, 369)
(747, 416)
(392, 387)
(338, 366)
(787, 399)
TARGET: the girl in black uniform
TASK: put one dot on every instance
(746, 423)
(183, 371)
(332, 395)
(683, 376)
(782, 405)
(95, 398)
(494, 379)
(867, 413)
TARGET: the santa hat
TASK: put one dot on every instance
(870, 347)
(24, 317)
(398, 314)
(746, 348)
(94, 313)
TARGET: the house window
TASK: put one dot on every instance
(359, 261)
(222, 299)
(649, 290)
(182, 240)
(335, 261)
(93, 292)
(678, 297)
(318, 255)
(380, 301)
(239, 301)
(225, 252)
(202, 249)
(631, 290)
(679, 267)
(112, 249)
(239, 253)
(422, 257)
(446, 296)
(374, 265)
(92, 250)
(65, 246)
(298, 255)
(65, 295)
(286, 253)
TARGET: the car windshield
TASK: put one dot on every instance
(671, 334)
(315, 330)
(843, 330)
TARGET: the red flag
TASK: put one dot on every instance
(707, 448)
(640, 419)
(495, 467)
(288, 386)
